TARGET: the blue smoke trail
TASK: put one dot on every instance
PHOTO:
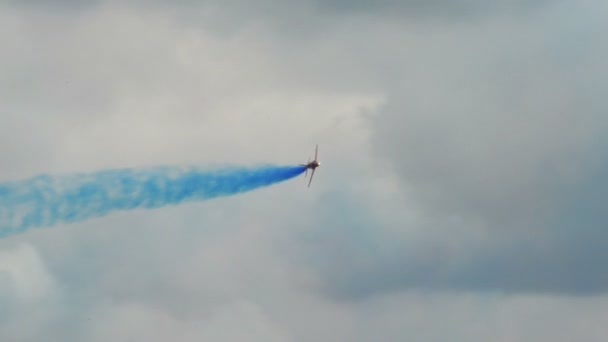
(46, 200)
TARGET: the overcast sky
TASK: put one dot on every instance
(461, 196)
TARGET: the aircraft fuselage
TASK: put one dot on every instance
(312, 165)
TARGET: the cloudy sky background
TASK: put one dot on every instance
(461, 195)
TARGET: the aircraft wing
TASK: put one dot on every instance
(311, 175)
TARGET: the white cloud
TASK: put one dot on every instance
(127, 322)
(24, 274)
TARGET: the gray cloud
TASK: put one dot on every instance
(301, 19)
(416, 6)
(504, 135)
(487, 150)
(436, 8)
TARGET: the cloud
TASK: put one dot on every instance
(29, 293)
(498, 146)
(25, 275)
(414, 9)
(454, 168)
(124, 322)
(332, 7)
